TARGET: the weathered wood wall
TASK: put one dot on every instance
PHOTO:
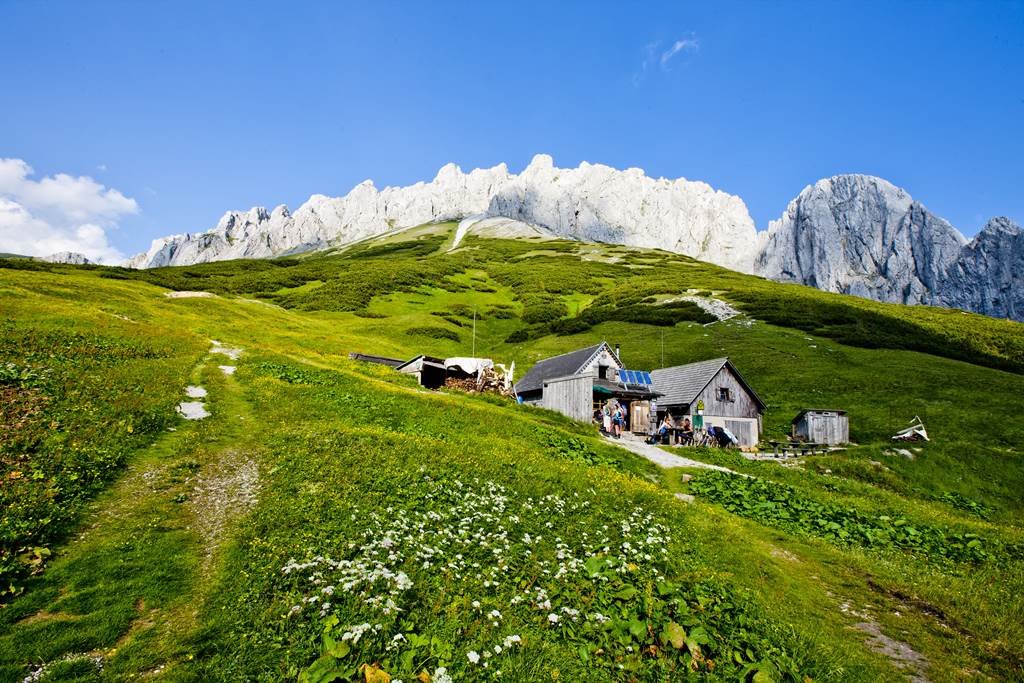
(605, 358)
(572, 396)
(742, 405)
(823, 427)
(747, 430)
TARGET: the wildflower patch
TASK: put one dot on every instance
(517, 581)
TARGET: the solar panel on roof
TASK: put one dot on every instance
(635, 377)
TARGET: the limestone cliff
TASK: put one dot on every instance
(591, 202)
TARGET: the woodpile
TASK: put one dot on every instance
(489, 382)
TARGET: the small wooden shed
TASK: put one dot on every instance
(430, 371)
(822, 426)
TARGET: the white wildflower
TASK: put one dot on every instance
(511, 640)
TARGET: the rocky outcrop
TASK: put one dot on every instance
(591, 202)
(595, 203)
(861, 235)
(69, 257)
(988, 275)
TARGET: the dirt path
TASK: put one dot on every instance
(161, 528)
(663, 458)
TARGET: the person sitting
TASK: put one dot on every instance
(684, 436)
(719, 436)
(665, 429)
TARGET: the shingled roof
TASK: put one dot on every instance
(557, 366)
(682, 384)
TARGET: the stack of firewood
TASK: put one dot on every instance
(489, 382)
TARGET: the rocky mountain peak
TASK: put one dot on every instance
(1000, 227)
(69, 257)
(862, 235)
(591, 202)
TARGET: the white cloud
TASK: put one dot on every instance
(681, 45)
(654, 57)
(58, 213)
(650, 57)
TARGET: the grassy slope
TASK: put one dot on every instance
(141, 586)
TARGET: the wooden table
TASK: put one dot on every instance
(795, 448)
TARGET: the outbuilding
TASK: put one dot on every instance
(822, 426)
(710, 392)
(428, 370)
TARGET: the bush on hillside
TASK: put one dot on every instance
(433, 332)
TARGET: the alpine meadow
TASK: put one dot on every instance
(332, 519)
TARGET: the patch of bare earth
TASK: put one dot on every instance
(896, 651)
(225, 491)
(784, 554)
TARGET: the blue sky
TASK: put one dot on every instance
(186, 110)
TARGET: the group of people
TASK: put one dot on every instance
(683, 433)
(611, 418)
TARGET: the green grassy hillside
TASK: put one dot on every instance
(331, 520)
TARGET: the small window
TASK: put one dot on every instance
(602, 371)
(724, 394)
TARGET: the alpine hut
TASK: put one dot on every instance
(711, 392)
(577, 382)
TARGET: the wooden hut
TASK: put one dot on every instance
(428, 370)
(577, 382)
(711, 392)
(822, 426)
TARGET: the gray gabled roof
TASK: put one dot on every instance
(381, 360)
(682, 384)
(417, 362)
(818, 410)
(557, 366)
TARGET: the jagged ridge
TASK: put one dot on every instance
(591, 202)
(854, 234)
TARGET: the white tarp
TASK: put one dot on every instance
(471, 366)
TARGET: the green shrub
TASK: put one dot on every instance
(433, 332)
(781, 505)
(543, 312)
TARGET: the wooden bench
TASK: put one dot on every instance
(787, 449)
